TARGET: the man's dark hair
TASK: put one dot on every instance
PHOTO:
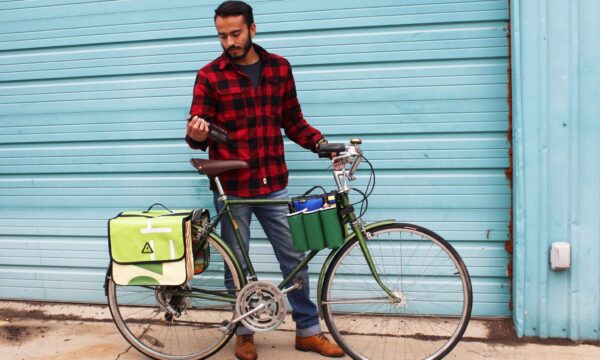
(235, 8)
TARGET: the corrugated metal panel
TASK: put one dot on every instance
(557, 189)
(94, 95)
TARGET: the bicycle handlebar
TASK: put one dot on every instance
(342, 155)
(326, 149)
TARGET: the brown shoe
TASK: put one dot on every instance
(244, 347)
(319, 344)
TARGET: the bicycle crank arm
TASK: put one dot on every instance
(297, 285)
(228, 326)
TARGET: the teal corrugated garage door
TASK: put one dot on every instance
(93, 97)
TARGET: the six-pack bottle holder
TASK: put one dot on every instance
(314, 222)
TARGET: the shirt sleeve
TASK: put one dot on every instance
(293, 122)
(204, 106)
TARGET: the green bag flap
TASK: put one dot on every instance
(143, 237)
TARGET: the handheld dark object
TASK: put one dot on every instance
(215, 132)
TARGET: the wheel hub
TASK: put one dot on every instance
(171, 301)
(399, 299)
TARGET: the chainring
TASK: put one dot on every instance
(253, 295)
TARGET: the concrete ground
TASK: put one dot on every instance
(50, 331)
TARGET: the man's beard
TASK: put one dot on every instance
(245, 50)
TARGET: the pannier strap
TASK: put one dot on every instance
(215, 167)
(158, 204)
(313, 189)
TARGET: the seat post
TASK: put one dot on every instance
(222, 195)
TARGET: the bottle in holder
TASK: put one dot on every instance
(314, 222)
(332, 230)
(296, 223)
(314, 230)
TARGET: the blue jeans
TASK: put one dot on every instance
(274, 223)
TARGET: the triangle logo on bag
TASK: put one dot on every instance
(147, 249)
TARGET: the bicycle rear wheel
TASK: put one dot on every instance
(142, 317)
(429, 279)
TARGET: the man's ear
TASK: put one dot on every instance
(252, 30)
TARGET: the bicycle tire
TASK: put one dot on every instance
(418, 266)
(148, 327)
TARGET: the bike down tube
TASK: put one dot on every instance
(262, 202)
(297, 269)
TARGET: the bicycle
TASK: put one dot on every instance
(391, 288)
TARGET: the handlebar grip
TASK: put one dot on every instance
(325, 149)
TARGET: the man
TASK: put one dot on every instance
(251, 93)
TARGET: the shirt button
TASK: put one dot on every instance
(265, 181)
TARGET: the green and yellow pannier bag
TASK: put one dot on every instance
(152, 247)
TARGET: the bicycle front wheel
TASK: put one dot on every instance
(432, 300)
(178, 322)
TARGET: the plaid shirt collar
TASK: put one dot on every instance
(225, 61)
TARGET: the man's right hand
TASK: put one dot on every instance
(197, 129)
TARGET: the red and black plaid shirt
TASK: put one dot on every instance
(253, 119)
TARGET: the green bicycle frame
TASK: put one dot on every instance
(357, 231)
(226, 210)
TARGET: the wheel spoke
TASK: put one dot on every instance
(140, 312)
(429, 281)
(383, 300)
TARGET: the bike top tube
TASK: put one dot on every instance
(352, 156)
(251, 202)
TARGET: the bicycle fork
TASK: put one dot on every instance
(362, 236)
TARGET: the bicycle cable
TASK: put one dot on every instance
(364, 202)
(371, 176)
(368, 190)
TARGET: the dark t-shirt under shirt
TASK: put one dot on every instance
(253, 72)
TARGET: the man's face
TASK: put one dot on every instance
(235, 36)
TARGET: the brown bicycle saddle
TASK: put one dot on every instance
(215, 167)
